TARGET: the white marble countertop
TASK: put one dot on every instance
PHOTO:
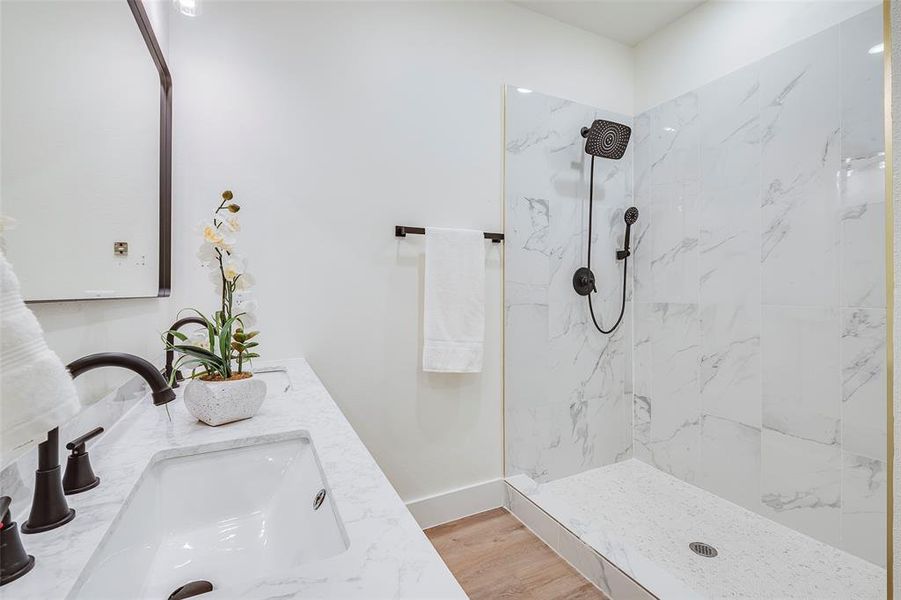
(389, 556)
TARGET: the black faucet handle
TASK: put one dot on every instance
(79, 475)
(77, 445)
(14, 560)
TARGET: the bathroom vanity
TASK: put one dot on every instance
(286, 504)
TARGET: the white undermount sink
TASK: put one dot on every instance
(224, 516)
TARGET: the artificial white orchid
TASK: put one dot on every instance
(225, 338)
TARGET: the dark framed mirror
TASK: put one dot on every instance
(86, 150)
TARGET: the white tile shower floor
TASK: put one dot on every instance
(642, 520)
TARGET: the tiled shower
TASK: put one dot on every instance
(759, 287)
(752, 361)
(567, 409)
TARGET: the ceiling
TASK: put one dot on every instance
(626, 21)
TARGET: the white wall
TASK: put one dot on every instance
(333, 122)
(721, 36)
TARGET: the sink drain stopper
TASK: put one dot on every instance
(189, 590)
(702, 549)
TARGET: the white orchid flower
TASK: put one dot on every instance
(207, 255)
(232, 267)
(218, 237)
(245, 282)
(245, 302)
(232, 224)
(200, 338)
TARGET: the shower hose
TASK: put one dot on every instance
(622, 307)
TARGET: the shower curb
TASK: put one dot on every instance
(603, 574)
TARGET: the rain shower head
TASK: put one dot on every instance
(606, 139)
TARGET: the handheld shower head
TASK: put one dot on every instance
(631, 215)
(606, 139)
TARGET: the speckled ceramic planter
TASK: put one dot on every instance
(219, 402)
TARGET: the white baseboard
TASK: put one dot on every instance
(456, 504)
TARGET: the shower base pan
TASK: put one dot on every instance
(638, 522)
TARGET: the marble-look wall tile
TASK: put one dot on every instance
(801, 484)
(800, 360)
(640, 261)
(527, 351)
(863, 128)
(729, 205)
(566, 408)
(642, 370)
(674, 441)
(862, 174)
(674, 141)
(641, 152)
(674, 242)
(730, 461)
(730, 383)
(863, 254)
(528, 220)
(801, 123)
(864, 386)
(863, 507)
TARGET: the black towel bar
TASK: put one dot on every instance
(403, 230)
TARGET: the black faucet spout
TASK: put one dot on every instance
(170, 354)
(159, 388)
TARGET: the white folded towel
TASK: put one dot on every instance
(36, 391)
(454, 321)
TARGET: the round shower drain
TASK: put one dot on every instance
(702, 549)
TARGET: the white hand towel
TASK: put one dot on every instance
(454, 318)
(36, 391)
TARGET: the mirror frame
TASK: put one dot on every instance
(165, 177)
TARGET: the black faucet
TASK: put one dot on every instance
(14, 560)
(49, 508)
(159, 388)
(170, 354)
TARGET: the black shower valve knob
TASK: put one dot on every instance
(584, 281)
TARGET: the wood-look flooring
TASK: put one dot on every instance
(494, 556)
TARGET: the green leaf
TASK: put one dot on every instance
(251, 355)
(184, 362)
(225, 335)
(188, 362)
(251, 344)
(208, 358)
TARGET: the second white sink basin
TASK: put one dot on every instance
(224, 516)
